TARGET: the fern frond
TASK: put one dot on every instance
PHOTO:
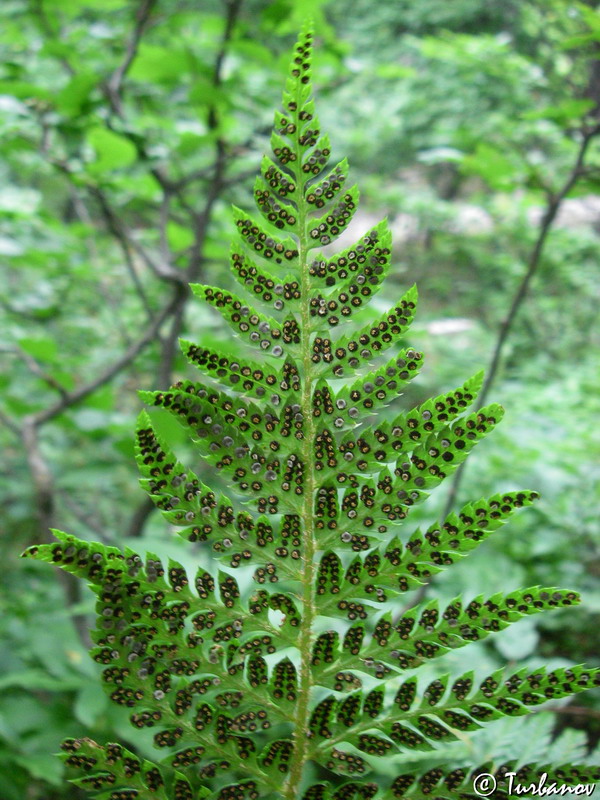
(278, 670)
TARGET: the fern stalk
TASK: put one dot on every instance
(307, 576)
(320, 491)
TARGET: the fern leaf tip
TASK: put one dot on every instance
(143, 419)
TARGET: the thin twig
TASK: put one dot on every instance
(114, 84)
(165, 208)
(195, 175)
(138, 520)
(202, 221)
(84, 215)
(29, 431)
(17, 312)
(83, 515)
(45, 507)
(117, 229)
(553, 206)
(128, 242)
(163, 271)
(71, 398)
(10, 424)
(579, 711)
(51, 34)
(33, 366)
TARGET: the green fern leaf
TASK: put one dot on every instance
(279, 670)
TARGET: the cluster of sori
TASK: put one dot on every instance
(280, 670)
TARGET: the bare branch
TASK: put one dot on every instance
(127, 242)
(84, 216)
(71, 398)
(169, 348)
(10, 424)
(42, 477)
(33, 366)
(83, 515)
(117, 229)
(201, 221)
(195, 175)
(554, 203)
(240, 177)
(17, 312)
(44, 493)
(114, 84)
(165, 207)
(552, 208)
(164, 271)
(579, 711)
(51, 33)
(140, 517)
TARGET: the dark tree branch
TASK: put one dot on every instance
(196, 175)
(83, 214)
(53, 35)
(165, 214)
(161, 268)
(29, 431)
(114, 84)
(139, 517)
(35, 369)
(553, 205)
(169, 348)
(120, 231)
(45, 507)
(10, 424)
(116, 227)
(217, 184)
(76, 396)
(579, 711)
(17, 312)
(201, 222)
(42, 477)
(83, 515)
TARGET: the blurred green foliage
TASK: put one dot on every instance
(128, 128)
